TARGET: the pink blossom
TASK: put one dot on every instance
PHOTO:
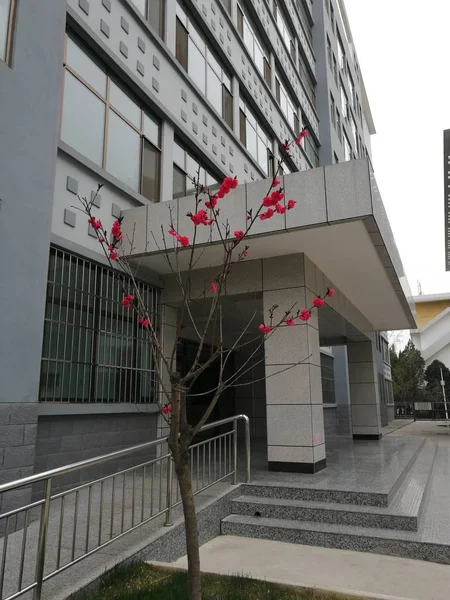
(144, 322)
(213, 288)
(101, 240)
(96, 224)
(127, 300)
(182, 239)
(201, 218)
(115, 229)
(265, 328)
(166, 409)
(280, 209)
(267, 215)
(285, 147)
(212, 203)
(239, 234)
(245, 254)
(276, 182)
(113, 256)
(289, 321)
(290, 204)
(304, 315)
(303, 133)
(330, 292)
(318, 302)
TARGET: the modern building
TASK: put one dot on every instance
(432, 337)
(137, 96)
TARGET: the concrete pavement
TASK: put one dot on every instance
(355, 573)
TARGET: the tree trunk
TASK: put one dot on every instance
(190, 523)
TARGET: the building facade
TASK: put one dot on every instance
(432, 337)
(139, 96)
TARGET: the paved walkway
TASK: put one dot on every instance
(358, 573)
(396, 424)
(437, 431)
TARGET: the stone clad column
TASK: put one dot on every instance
(364, 391)
(295, 427)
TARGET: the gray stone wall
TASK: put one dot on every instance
(62, 440)
(17, 436)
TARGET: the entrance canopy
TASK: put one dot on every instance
(339, 222)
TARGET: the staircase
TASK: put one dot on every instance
(383, 518)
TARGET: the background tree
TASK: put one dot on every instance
(175, 387)
(433, 380)
(407, 368)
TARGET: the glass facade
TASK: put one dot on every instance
(94, 350)
(185, 169)
(107, 126)
(254, 138)
(199, 61)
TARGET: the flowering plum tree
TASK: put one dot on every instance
(175, 387)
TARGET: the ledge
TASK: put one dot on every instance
(49, 409)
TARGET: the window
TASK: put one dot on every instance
(94, 349)
(6, 29)
(352, 90)
(197, 59)
(227, 5)
(109, 128)
(335, 72)
(311, 150)
(185, 169)
(338, 125)
(354, 130)
(327, 371)
(347, 148)
(333, 110)
(307, 80)
(329, 53)
(344, 102)
(341, 53)
(287, 106)
(286, 35)
(254, 46)
(153, 11)
(332, 15)
(254, 138)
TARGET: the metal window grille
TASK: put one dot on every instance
(94, 349)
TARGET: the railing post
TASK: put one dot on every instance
(235, 451)
(168, 522)
(247, 450)
(40, 559)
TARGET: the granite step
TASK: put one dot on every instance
(406, 544)
(380, 492)
(403, 513)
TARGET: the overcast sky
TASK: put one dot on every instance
(404, 55)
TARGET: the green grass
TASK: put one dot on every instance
(144, 582)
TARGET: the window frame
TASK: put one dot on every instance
(106, 99)
(193, 38)
(260, 134)
(79, 309)
(9, 34)
(161, 29)
(279, 90)
(184, 169)
(242, 21)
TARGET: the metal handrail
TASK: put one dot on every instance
(89, 462)
(47, 477)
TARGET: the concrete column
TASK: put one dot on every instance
(364, 391)
(295, 426)
(167, 140)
